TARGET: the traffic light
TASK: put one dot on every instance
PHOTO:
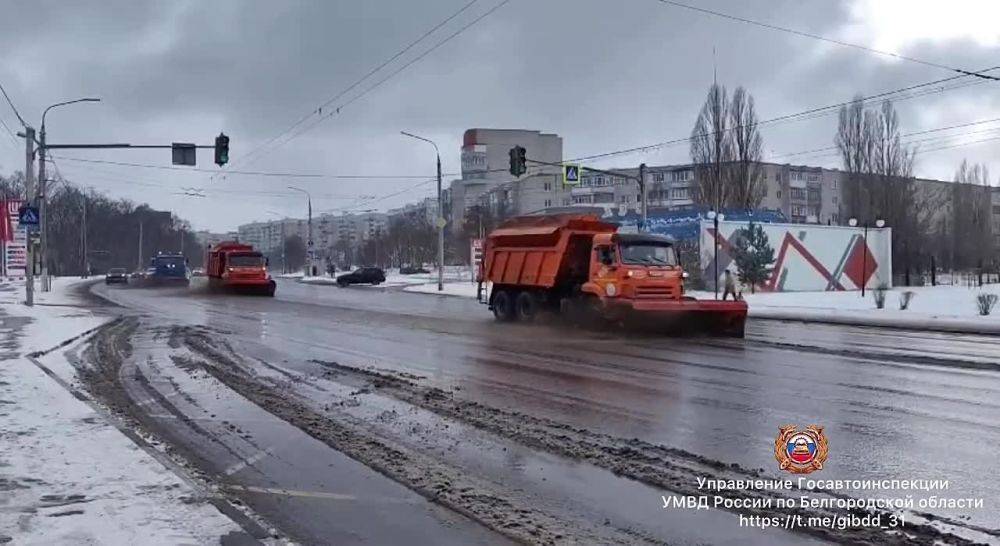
(518, 161)
(221, 149)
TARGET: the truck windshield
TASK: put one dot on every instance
(246, 260)
(168, 261)
(648, 254)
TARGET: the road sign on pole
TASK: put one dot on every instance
(28, 217)
(571, 175)
(183, 153)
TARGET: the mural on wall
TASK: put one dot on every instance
(806, 256)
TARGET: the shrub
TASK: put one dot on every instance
(905, 298)
(879, 294)
(986, 303)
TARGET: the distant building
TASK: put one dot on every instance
(424, 211)
(485, 169)
(995, 215)
(208, 238)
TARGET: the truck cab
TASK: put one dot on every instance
(634, 266)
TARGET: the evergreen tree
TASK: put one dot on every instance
(753, 255)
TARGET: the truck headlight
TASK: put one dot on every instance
(611, 289)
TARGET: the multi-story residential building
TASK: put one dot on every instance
(424, 210)
(995, 216)
(207, 238)
(485, 169)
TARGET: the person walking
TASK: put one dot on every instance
(730, 286)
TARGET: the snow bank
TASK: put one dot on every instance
(69, 476)
(948, 308)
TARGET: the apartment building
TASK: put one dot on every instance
(485, 164)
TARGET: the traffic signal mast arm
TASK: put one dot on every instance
(221, 147)
(591, 169)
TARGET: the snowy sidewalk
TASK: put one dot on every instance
(68, 476)
(939, 308)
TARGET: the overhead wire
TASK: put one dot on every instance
(818, 37)
(319, 110)
(371, 88)
(12, 107)
(811, 113)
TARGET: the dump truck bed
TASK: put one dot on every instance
(540, 251)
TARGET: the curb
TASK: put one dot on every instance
(940, 324)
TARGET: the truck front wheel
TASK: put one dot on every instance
(503, 306)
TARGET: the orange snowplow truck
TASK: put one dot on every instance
(580, 266)
(237, 267)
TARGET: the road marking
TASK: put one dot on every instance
(290, 492)
(249, 461)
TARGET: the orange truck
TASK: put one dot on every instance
(580, 266)
(237, 267)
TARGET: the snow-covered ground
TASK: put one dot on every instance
(67, 476)
(939, 307)
(393, 278)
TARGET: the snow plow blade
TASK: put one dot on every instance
(248, 289)
(688, 315)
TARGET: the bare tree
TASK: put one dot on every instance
(712, 149)
(970, 216)
(746, 185)
(879, 183)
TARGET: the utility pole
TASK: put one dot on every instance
(43, 217)
(440, 212)
(43, 193)
(29, 190)
(83, 236)
(309, 228)
(642, 193)
(140, 268)
(440, 226)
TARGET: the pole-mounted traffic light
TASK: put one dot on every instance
(518, 161)
(221, 149)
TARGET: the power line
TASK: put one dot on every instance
(806, 114)
(824, 39)
(319, 120)
(248, 173)
(12, 107)
(936, 130)
(319, 110)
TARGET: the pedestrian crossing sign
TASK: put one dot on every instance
(571, 175)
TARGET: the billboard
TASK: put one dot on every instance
(807, 257)
(13, 239)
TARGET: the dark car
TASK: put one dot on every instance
(412, 270)
(365, 275)
(116, 275)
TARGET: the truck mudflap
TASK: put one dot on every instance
(727, 318)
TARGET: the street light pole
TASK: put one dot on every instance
(309, 228)
(42, 192)
(440, 211)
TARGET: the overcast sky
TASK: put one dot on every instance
(604, 74)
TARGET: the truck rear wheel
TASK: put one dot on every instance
(503, 306)
(527, 306)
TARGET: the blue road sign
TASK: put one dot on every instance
(28, 216)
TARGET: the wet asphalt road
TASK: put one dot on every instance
(895, 404)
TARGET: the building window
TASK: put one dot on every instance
(797, 193)
(680, 193)
(657, 177)
(779, 194)
(548, 203)
(834, 199)
(814, 194)
(548, 186)
(680, 176)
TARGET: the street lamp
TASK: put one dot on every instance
(440, 218)
(281, 219)
(853, 222)
(309, 224)
(716, 218)
(46, 282)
